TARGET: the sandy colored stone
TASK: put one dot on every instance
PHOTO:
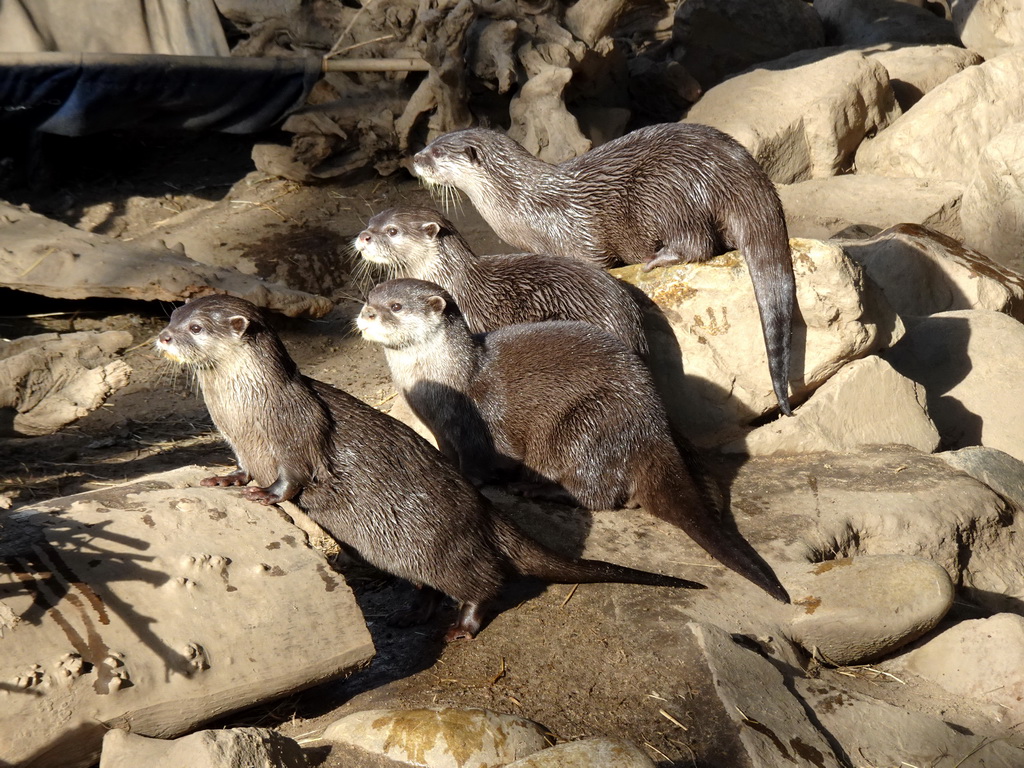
(588, 753)
(990, 27)
(971, 364)
(804, 116)
(825, 208)
(914, 70)
(866, 403)
(922, 272)
(773, 726)
(51, 380)
(439, 737)
(981, 659)
(943, 135)
(158, 605)
(43, 256)
(881, 734)
(998, 470)
(231, 748)
(715, 329)
(855, 610)
(993, 205)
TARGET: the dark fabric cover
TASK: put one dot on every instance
(79, 94)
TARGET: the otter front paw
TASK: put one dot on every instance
(238, 477)
(262, 495)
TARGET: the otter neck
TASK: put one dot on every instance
(447, 354)
(453, 261)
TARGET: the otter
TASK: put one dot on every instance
(664, 194)
(504, 289)
(556, 400)
(368, 480)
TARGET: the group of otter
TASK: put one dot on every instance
(529, 369)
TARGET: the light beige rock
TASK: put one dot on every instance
(982, 659)
(439, 737)
(866, 403)
(914, 70)
(825, 208)
(943, 135)
(881, 734)
(805, 116)
(716, 329)
(43, 256)
(971, 364)
(855, 610)
(773, 726)
(885, 501)
(231, 748)
(998, 470)
(51, 380)
(990, 27)
(718, 38)
(870, 22)
(588, 753)
(992, 212)
(923, 273)
(159, 605)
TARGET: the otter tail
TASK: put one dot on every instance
(674, 497)
(531, 558)
(764, 243)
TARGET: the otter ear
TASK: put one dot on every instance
(238, 324)
(431, 228)
(437, 303)
(471, 153)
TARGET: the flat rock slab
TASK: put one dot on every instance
(158, 605)
(439, 737)
(232, 748)
(43, 256)
(587, 753)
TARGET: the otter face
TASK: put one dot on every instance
(401, 237)
(196, 330)
(456, 159)
(402, 313)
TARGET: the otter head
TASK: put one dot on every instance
(405, 238)
(405, 312)
(465, 160)
(203, 332)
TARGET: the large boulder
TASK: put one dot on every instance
(159, 605)
(922, 272)
(971, 364)
(943, 135)
(990, 27)
(864, 204)
(914, 70)
(992, 212)
(802, 116)
(706, 314)
(866, 403)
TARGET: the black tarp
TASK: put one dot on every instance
(74, 94)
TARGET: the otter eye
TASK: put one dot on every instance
(395, 306)
(196, 328)
(391, 231)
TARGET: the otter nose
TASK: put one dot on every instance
(164, 337)
(365, 237)
(368, 313)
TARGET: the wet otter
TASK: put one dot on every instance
(555, 398)
(492, 291)
(367, 479)
(669, 193)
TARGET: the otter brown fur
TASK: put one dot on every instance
(368, 480)
(669, 193)
(556, 398)
(503, 289)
